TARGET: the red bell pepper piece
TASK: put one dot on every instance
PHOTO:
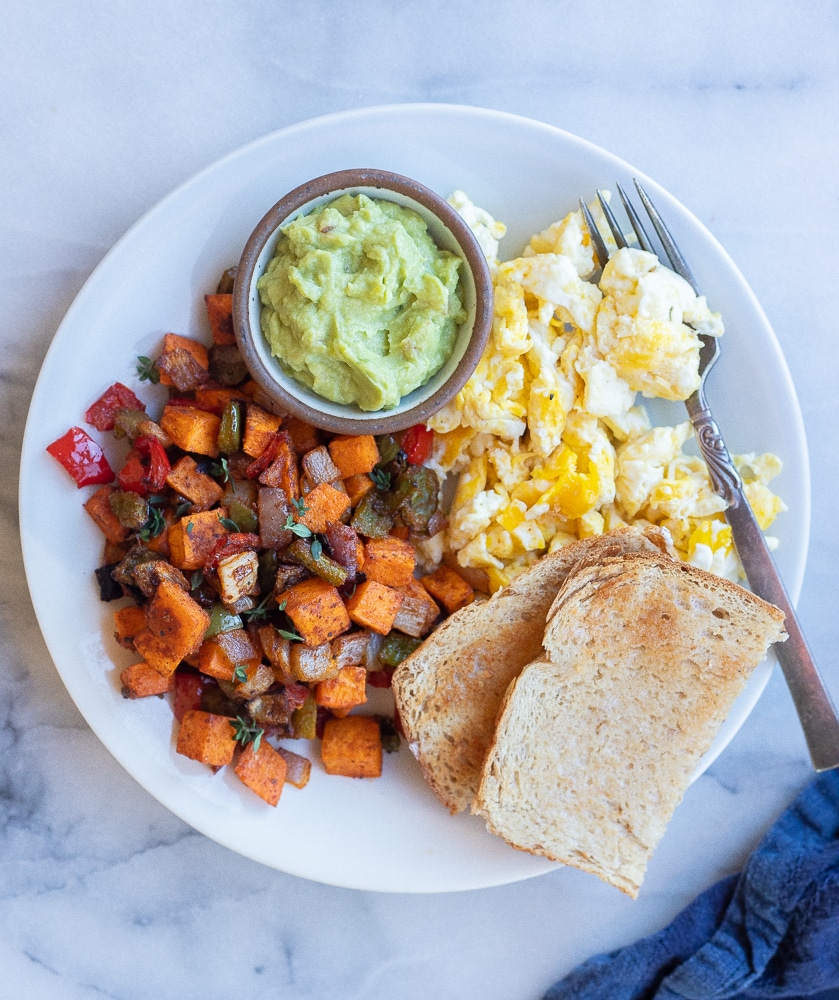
(296, 695)
(159, 467)
(188, 690)
(417, 443)
(146, 468)
(82, 457)
(102, 413)
(268, 454)
(132, 475)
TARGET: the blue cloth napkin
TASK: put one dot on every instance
(771, 931)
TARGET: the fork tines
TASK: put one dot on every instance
(637, 231)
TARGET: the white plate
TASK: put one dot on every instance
(388, 834)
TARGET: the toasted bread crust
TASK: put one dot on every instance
(598, 737)
(448, 693)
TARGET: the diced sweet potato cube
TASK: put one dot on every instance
(192, 538)
(311, 663)
(350, 650)
(220, 316)
(173, 342)
(374, 606)
(175, 626)
(344, 691)
(390, 561)
(215, 397)
(220, 655)
(303, 435)
(352, 747)
(357, 486)
(260, 428)
(214, 662)
(207, 738)
(251, 390)
(418, 612)
(449, 588)
(263, 771)
(298, 768)
(317, 611)
(325, 505)
(99, 507)
(192, 429)
(353, 455)
(127, 623)
(142, 681)
(201, 490)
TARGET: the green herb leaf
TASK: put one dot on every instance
(153, 526)
(240, 673)
(183, 508)
(317, 548)
(381, 478)
(220, 470)
(290, 635)
(298, 529)
(229, 523)
(147, 370)
(189, 527)
(300, 506)
(196, 579)
(245, 732)
(282, 606)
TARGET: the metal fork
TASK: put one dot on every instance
(812, 702)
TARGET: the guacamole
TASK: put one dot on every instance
(358, 302)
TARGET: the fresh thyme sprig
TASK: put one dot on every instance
(245, 732)
(147, 371)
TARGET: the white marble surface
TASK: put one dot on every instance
(103, 110)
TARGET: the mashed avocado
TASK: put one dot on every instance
(358, 302)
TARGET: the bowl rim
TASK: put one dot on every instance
(319, 189)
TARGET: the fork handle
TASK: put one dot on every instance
(811, 699)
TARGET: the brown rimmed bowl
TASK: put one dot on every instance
(449, 232)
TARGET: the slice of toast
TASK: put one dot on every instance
(449, 691)
(598, 738)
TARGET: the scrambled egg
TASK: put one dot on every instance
(547, 441)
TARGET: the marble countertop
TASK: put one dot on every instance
(106, 109)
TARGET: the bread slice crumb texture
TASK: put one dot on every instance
(598, 737)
